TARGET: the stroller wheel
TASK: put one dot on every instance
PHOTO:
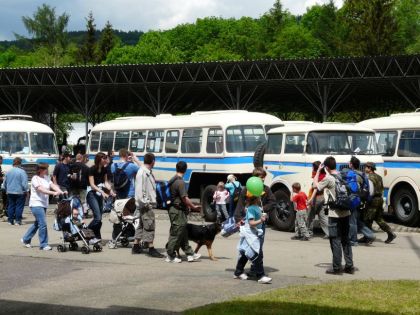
(61, 248)
(97, 248)
(85, 250)
(112, 245)
(73, 246)
(125, 242)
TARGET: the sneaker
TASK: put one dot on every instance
(194, 257)
(175, 260)
(336, 272)
(349, 270)
(242, 276)
(48, 247)
(27, 245)
(369, 241)
(295, 238)
(264, 280)
(94, 241)
(18, 223)
(136, 249)
(154, 253)
(10, 223)
(391, 237)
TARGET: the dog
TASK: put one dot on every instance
(203, 235)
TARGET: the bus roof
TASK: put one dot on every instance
(319, 127)
(395, 121)
(13, 125)
(194, 120)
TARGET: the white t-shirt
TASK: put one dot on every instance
(39, 199)
(221, 196)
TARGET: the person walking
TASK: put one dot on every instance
(130, 165)
(41, 189)
(3, 212)
(79, 178)
(98, 182)
(374, 209)
(16, 186)
(145, 195)
(61, 174)
(178, 237)
(234, 188)
(338, 220)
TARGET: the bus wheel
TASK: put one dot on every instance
(406, 206)
(283, 215)
(207, 207)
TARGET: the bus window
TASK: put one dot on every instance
(107, 140)
(14, 143)
(274, 143)
(42, 143)
(172, 141)
(244, 138)
(191, 141)
(94, 142)
(387, 142)
(409, 145)
(155, 141)
(138, 139)
(294, 143)
(215, 140)
(121, 140)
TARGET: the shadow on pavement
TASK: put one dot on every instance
(20, 307)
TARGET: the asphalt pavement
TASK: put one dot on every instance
(115, 281)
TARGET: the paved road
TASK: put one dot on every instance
(114, 281)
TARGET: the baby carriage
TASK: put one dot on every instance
(72, 227)
(124, 220)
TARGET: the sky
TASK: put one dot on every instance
(140, 15)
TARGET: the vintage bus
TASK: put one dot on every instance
(291, 150)
(32, 141)
(398, 138)
(213, 143)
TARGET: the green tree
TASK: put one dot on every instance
(274, 20)
(371, 26)
(88, 50)
(407, 13)
(106, 42)
(295, 41)
(214, 52)
(47, 28)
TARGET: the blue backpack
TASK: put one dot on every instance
(163, 195)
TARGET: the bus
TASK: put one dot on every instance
(398, 137)
(213, 143)
(32, 141)
(291, 150)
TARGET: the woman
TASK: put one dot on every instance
(41, 188)
(234, 188)
(98, 179)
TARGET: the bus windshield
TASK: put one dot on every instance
(341, 143)
(43, 143)
(14, 143)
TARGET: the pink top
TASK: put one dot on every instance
(221, 196)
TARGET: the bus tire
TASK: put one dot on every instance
(406, 206)
(207, 207)
(259, 155)
(283, 215)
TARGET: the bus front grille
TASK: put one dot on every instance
(30, 169)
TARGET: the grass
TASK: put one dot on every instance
(335, 298)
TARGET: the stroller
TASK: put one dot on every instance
(124, 220)
(72, 230)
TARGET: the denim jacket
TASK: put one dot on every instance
(16, 181)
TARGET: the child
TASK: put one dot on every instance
(250, 243)
(219, 197)
(300, 200)
(77, 220)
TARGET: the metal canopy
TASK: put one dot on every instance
(317, 87)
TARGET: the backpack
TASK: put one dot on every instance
(236, 192)
(164, 198)
(364, 188)
(120, 177)
(342, 199)
(76, 176)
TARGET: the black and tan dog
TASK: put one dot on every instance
(203, 234)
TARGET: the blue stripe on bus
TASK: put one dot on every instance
(300, 164)
(281, 173)
(51, 161)
(402, 164)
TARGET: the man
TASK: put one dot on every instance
(130, 169)
(178, 237)
(16, 186)
(145, 195)
(374, 209)
(2, 193)
(356, 224)
(61, 173)
(79, 178)
(338, 220)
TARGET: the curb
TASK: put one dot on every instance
(397, 228)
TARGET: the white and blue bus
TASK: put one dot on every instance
(398, 138)
(32, 141)
(213, 143)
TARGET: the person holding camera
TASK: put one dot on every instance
(124, 183)
(338, 220)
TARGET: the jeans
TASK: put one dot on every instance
(257, 266)
(95, 203)
(15, 205)
(338, 229)
(39, 224)
(231, 207)
(221, 212)
(357, 225)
